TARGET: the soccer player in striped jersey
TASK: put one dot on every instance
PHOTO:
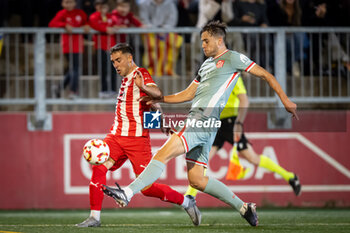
(129, 140)
(209, 93)
(231, 130)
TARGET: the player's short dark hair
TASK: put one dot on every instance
(122, 47)
(122, 1)
(215, 28)
(100, 2)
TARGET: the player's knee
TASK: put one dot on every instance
(197, 183)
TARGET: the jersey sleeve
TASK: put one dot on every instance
(147, 78)
(93, 21)
(241, 62)
(134, 21)
(239, 88)
(197, 79)
(84, 18)
(58, 21)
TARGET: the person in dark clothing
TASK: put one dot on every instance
(288, 13)
(252, 13)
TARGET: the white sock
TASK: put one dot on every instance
(128, 192)
(243, 209)
(96, 214)
(185, 202)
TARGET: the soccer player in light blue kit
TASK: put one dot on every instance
(209, 93)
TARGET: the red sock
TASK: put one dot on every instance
(165, 193)
(97, 179)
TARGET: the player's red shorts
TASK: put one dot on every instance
(136, 149)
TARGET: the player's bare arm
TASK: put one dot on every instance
(151, 90)
(182, 96)
(271, 80)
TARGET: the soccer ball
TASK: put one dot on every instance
(96, 151)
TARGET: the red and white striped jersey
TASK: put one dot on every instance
(128, 119)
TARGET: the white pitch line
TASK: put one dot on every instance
(177, 225)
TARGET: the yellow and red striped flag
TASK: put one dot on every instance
(1, 42)
(161, 52)
(235, 170)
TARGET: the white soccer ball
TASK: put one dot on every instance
(96, 151)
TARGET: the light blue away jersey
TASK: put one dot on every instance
(217, 78)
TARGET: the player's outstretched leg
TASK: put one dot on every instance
(250, 214)
(219, 190)
(193, 211)
(172, 148)
(96, 196)
(165, 193)
(123, 196)
(290, 177)
(192, 191)
(295, 183)
(117, 194)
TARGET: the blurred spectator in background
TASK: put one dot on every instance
(210, 10)
(187, 11)
(288, 13)
(161, 50)
(87, 6)
(105, 23)
(134, 6)
(318, 13)
(72, 44)
(250, 13)
(253, 13)
(4, 12)
(315, 13)
(159, 13)
(214, 10)
(124, 18)
(32, 13)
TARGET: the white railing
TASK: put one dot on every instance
(311, 64)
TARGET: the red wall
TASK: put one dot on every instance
(45, 170)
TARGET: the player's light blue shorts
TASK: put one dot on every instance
(198, 141)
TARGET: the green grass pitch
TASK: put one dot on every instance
(175, 220)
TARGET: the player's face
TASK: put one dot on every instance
(103, 8)
(123, 8)
(209, 44)
(122, 63)
(68, 4)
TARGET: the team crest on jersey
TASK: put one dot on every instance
(220, 64)
(78, 18)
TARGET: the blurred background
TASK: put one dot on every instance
(58, 90)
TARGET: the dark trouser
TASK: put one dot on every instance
(107, 71)
(72, 73)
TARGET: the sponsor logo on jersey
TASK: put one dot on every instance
(220, 64)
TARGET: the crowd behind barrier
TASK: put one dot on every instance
(305, 43)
